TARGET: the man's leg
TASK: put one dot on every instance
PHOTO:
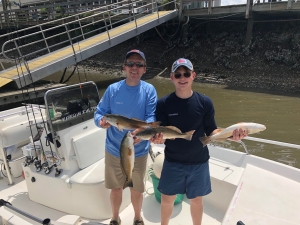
(115, 202)
(196, 207)
(137, 201)
(138, 175)
(166, 208)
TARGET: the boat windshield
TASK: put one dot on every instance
(70, 105)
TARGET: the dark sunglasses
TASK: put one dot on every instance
(186, 75)
(137, 64)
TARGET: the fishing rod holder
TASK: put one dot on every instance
(38, 220)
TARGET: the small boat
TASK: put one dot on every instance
(60, 153)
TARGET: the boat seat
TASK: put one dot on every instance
(224, 171)
(94, 174)
(89, 147)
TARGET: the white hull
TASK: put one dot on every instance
(245, 187)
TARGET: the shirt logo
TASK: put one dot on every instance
(173, 114)
(119, 103)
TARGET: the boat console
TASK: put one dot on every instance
(71, 156)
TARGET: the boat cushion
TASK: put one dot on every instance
(89, 147)
(93, 174)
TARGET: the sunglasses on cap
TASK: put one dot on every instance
(137, 64)
(186, 75)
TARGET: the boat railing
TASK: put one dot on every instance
(75, 28)
(24, 111)
(268, 142)
(36, 219)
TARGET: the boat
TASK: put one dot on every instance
(52, 170)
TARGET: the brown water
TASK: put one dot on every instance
(280, 114)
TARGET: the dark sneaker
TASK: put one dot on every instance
(115, 222)
(138, 222)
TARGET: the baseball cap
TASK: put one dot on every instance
(135, 51)
(182, 62)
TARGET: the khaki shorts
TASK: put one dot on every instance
(114, 177)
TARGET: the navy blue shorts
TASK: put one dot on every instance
(192, 180)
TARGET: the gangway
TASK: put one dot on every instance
(85, 37)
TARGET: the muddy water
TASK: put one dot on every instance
(280, 114)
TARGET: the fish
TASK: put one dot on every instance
(169, 132)
(122, 122)
(127, 156)
(226, 133)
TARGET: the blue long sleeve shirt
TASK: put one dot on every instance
(130, 101)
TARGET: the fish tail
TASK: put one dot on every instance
(154, 124)
(205, 140)
(189, 135)
(128, 183)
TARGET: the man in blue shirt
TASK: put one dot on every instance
(186, 169)
(132, 98)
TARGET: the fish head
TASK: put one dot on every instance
(129, 134)
(110, 118)
(261, 127)
(129, 137)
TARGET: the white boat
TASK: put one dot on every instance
(64, 173)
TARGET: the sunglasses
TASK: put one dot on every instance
(186, 75)
(137, 64)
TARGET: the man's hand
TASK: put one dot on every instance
(238, 134)
(157, 139)
(104, 124)
(136, 139)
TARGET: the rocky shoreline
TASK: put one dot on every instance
(271, 63)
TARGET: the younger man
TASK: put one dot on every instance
(186, 169)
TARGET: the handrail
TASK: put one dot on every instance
(267, 142)
(46, 221)
(21, 111)
(273, 142)
(76, 20)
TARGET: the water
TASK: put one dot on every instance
(280, 114)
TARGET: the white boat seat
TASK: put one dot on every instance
(89, 147)
(93, 174)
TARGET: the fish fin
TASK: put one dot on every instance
(205, 140)
(138, 120)
(219, 130)
(154, 124)
(128, 183)
(120, 128)
(189, 135)
(174, 128)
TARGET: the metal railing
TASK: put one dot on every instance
(73, 29)
(278, 143)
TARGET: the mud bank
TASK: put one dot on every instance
(269, 64)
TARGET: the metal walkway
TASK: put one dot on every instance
(55, 57)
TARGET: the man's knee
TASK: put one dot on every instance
(117, 191)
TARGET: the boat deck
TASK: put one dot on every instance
(18, 196)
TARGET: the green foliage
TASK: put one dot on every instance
(87, 14)
(43, 11)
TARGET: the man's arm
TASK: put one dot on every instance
(103, 108)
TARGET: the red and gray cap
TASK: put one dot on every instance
(135, 51)
(182, 62)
